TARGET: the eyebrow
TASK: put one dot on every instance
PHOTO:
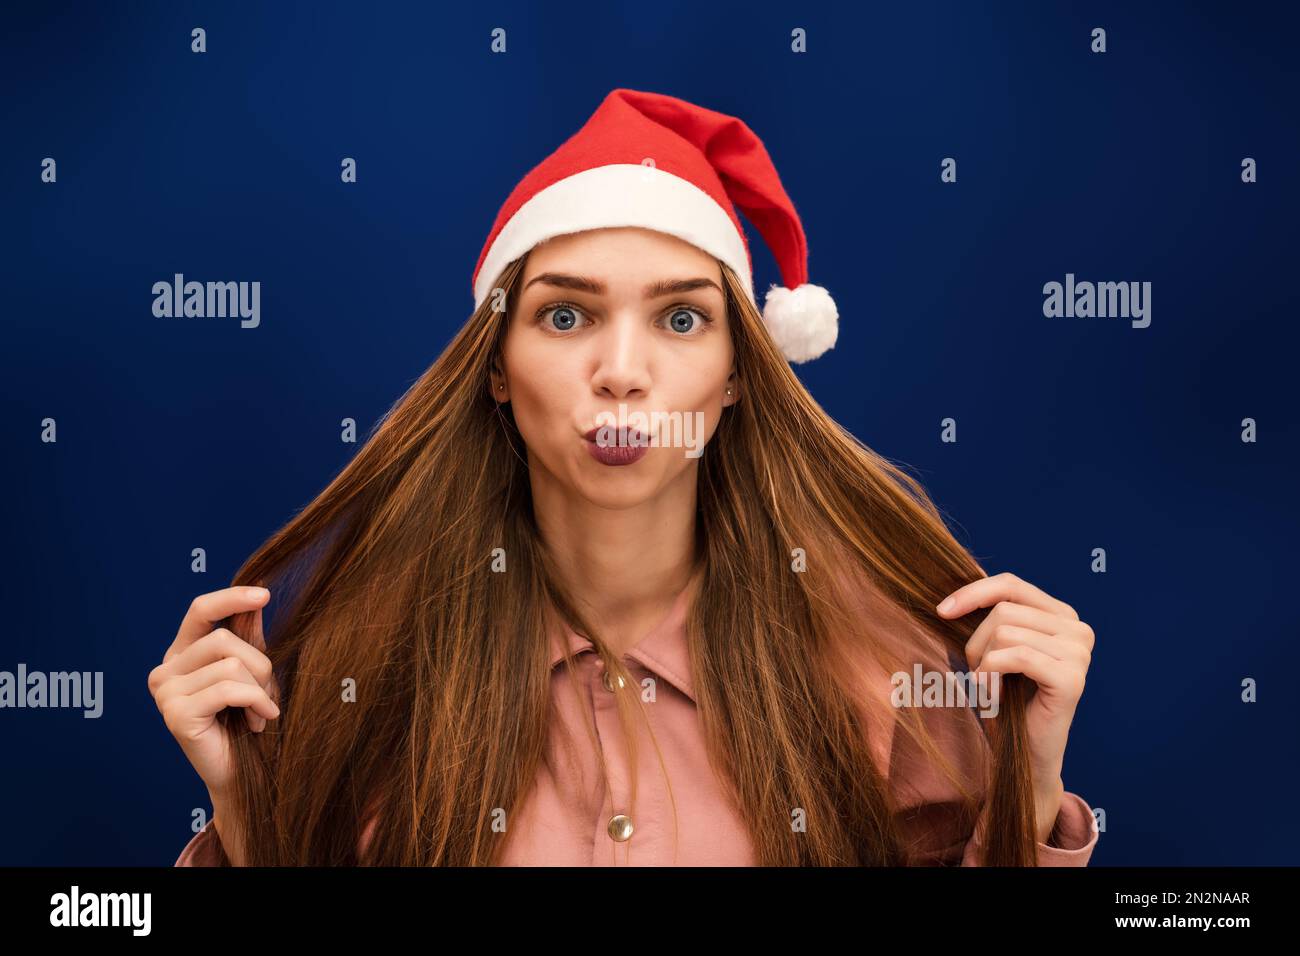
(653, 291)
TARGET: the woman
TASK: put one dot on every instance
(530, 623)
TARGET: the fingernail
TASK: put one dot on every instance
(258, 592)
(946, 605)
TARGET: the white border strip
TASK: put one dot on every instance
(620, 194)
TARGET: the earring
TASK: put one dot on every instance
(728, 391)
(501, 388)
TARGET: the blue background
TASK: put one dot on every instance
(1073, 433)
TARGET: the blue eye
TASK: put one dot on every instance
(563, 317)
(684, 320)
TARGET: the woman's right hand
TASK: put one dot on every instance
(207, 670)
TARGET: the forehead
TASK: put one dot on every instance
(622, 252)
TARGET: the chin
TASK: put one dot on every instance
(616, 488)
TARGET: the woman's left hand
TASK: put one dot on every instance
(1032, 633)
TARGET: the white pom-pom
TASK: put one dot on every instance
(803, 321)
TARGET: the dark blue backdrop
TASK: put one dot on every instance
(1073, 433)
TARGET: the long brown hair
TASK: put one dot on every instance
(384, 588)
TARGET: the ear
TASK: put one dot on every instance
(497, 383)
(731, 390)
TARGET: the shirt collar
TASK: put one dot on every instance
(663, 650)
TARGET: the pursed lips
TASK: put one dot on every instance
(621, 436)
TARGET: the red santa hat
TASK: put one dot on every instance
(646, 159)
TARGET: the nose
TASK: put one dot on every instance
(621, 369)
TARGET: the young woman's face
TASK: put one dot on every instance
(617, 317)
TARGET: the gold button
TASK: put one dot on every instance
(604, 679)
(620, 827)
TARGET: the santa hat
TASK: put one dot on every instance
(645, 159)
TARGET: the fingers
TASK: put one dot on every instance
(182, 695)
(207, 610)
(1002, 587)
(1011, 635)
(1021, 617)
(1056, 677)
(212, 647)
(231, 693)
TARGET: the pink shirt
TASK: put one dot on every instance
(575, 818)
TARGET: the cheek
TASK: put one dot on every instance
(699, 387)
(701, 384)
(541, 392)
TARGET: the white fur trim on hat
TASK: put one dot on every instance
(619, 194)
(803, 321)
